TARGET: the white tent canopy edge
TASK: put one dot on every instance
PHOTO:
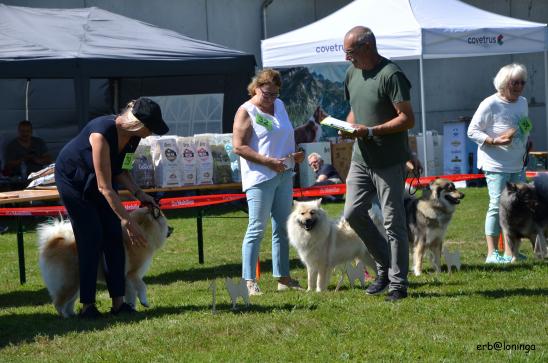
(418, 29)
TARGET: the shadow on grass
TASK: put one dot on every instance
(231, 270)
(434, 282)
(23, 328)
(495, 294)
(24, 298)
(504, 293)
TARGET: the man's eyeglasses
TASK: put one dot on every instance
(269, 94)
(517, 83)
(352, 51)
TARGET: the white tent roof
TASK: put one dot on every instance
(407, 29)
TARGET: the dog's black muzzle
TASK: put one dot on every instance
(454, 200)
(169, 231)
(308, 224)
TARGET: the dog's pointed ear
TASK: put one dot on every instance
(511, 186)
(318, 202)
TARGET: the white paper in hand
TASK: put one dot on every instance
(338, 124)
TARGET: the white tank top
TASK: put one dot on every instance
(271, 136)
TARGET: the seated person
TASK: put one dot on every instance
(26, 154)
(325, 173)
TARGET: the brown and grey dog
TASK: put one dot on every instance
(58, 258)
(428, 218)
(524, 214)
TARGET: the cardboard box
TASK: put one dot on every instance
(341, 155)
(433, 161)
(459, 152)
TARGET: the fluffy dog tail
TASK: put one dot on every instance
(541, 186)
(344, 227)
(54, 234)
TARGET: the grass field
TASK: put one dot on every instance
(482, 313)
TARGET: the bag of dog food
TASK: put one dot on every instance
(226, 141)
(204, 165)
(143, 167)
(188, 160)
(165, 155)
(222, 173)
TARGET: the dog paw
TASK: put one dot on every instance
(417, 273)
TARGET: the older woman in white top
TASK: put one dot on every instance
(263, 138)
(501, 127)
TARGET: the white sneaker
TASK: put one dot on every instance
(253, 288)
(495, 257)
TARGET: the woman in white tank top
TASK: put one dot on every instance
(263, 138)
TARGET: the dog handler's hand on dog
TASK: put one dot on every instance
(146, 199)
(135, 233)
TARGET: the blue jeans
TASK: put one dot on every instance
(272, 198)
(495, 185)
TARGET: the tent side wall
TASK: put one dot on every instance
(227, 75)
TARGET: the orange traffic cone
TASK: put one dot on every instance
(258, 269)
(501, 242)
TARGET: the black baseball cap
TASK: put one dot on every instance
(149, 113)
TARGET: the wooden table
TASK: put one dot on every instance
(34, 195)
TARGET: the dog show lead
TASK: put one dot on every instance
(88, 171)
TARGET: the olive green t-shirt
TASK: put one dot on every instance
(372, 95)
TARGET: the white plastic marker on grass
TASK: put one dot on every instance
(451, 259)
(213, 288)
(353, 273)
(237, 289)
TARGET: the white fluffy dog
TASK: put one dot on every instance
(323, 243)
(58, 258)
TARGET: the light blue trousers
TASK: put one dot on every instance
(495, 185)
(272, 198)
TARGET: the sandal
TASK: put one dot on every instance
(291, 285)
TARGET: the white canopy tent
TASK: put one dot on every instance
(411, 29)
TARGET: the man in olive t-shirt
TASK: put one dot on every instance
(381, 112)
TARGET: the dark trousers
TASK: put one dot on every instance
(98, 234)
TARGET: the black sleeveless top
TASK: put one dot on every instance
(74, 164)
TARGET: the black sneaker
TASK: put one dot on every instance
(89, 313)
(396, 295)
(378, 286)
(124, 309)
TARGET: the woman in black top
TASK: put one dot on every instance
(87, 172)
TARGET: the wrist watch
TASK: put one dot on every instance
(369, 132)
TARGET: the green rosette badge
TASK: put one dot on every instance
(525, 125)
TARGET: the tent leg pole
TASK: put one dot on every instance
(423, 115)
(27, 86)
(546, 96)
